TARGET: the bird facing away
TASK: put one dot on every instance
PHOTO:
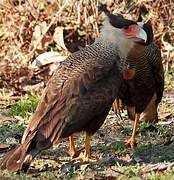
(80, 93)
(142, 94)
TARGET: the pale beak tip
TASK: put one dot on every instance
(142, 35)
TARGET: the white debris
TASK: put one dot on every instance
(47, 58)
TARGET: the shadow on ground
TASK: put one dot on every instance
(155, 153)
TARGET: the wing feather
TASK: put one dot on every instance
(157, 69)
(63, 95)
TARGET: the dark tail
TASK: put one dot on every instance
(19, 158)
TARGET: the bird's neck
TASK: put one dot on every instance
(114, 36)
(138, 50)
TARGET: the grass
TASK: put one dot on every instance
(160, 176)
(11, 131)
(71, 175)
(127, 130)
(26, 106)
(14, 176)
(155, 153)
(169, 79)
(119, 147)
(152, 148)
(23, 108)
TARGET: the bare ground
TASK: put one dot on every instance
(153, 158)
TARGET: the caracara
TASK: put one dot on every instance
(80, 93)
(142, 93)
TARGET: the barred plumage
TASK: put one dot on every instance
(143, 93)
(79, 95)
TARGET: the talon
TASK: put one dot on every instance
(131, 142)
(83, 157)
(117, 108)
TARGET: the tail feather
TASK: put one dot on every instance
(150, 114)
(11, 161)
(20, 157)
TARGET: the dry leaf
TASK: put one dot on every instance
(59, 38)
(4, 147)
(164, 115)
(47, 58)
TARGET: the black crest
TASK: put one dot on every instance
(149, 31)
(116, 20)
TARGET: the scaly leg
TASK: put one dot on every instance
(87, 153)
(85, 157)
(72, 148)
(116, 107)
(132, 140)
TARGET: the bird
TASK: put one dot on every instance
(79, 94)
(142, 91)
(128, 74)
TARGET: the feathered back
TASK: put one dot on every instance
(77, 98)
(145, 90)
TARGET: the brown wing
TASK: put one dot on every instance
(61, 97)
(155, 61)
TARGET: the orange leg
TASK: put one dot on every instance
(132, 139)
(87, 153)
(72, 148)
(117, 107)
(85, 157)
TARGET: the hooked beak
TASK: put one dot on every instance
(141, 35)
(136, 32)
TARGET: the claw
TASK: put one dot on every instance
(117, 108)
(84, 157)
(72, 149)
(131, 142)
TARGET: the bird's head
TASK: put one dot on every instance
(129, 29)
(123, 32)
(138, 51)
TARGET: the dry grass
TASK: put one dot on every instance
(28, 28)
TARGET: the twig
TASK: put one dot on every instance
(119, 172)
(4, 98)
(46, 30)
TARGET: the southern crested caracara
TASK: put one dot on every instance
(80, 93)
(142, 94)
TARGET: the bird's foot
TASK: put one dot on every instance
(117, 108)
(118, 112)
(74, 154)
(72, 148)
(131, 142)
(83, 157)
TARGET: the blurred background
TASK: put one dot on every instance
(29, 28)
